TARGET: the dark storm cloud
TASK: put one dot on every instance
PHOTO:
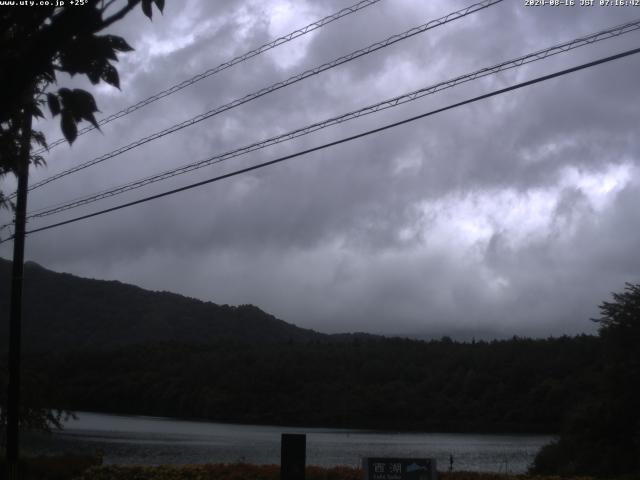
(494, 218)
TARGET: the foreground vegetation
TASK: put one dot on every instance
(601, 435)
(58, 467)
(267, 472)
(75, 467)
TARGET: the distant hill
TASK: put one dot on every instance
(66, 312)
(110, 347)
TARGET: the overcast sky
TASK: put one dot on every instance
(515, 215)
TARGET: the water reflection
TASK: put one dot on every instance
(155, 441)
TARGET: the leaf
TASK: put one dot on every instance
(96, 50)
(64, 93)
(68, 125)
(92, 119)
(48, 74)
(54, 104)
(77, 105)
(79, 55)
(83, 101)
(110, 75)
(39, 138)
(36, 112)
(119, 43)
(160, 5)
(110, 53)
(94, 74)
(38, 160)
(102, 48)
(146, 8)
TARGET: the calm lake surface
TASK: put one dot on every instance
(156, 441)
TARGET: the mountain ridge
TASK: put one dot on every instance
(67, 312)
(104, 346)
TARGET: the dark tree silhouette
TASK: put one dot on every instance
(37, 43)
(602, 436)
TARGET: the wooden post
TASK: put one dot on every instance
(293, 456)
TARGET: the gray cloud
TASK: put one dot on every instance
(490, 220)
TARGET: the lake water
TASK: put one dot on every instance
(156, 441)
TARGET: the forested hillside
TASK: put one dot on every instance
(64, 312)
(516, 385)
(111, 347)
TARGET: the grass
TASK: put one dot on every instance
(85, 467)
(263, 472)
(59, 467)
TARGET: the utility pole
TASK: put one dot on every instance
(15, 319)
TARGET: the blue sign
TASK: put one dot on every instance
(399, 468)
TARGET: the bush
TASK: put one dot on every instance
(59, 467)
(264, 472)
(241, 471)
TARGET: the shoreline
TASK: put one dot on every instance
(320, 427)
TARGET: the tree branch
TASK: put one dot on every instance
(118, 15)
(109, 3)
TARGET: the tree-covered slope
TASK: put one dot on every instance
(511, 385)
(65, 312)
(107, 346)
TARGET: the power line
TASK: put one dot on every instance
(389, 103)
(343, 140)
(276, 86)
(11, 235)
(223, 66)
